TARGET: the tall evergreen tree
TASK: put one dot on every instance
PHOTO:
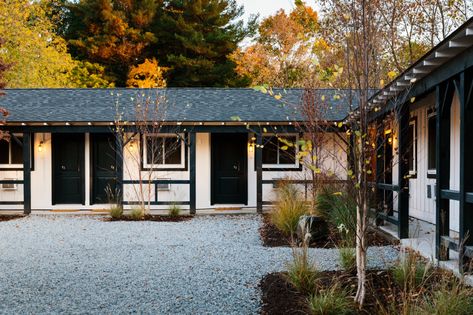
(113, 33)
(195, 39)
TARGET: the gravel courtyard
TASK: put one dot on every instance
(76, 264)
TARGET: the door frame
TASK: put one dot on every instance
(212, 168)
(92, 164)
(53, 161)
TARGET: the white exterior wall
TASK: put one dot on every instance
(41, 176)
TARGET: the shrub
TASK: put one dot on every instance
(288, 209)
(116, 211)
(301, 272)
(333, 301)
(410, 272)
(451, 298)
(347, 257)
(174, 211)
(336, 205)
(137, 213)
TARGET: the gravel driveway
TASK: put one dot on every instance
(209, 265)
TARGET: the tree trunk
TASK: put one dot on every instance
(361, 252)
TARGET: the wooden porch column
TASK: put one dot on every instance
(27, 172)
(464, 87)
(192, 177)
(119, 166)
(379, 169)
(443, 100)
(259, 172)
(403, 166)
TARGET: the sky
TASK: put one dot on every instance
(268, 7)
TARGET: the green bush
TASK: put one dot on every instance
(453, 297)
(333, 301)
(137, 213)
(116, 211)
(410, 272)
(301, 272)
(174, 211)
(288, 209)
(347, 257)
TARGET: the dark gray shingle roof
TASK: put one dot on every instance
(183, 104)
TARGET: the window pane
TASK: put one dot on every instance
(4, 150)
(432, 143)
(154, 150)
(270, 150)
(172, 150)
(287, 156)
(16, 151)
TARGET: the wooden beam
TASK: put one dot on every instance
(192, 172)
(27, 172)
(259, 172)
(119, 166)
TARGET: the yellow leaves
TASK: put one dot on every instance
(278, 96)
(413, 99)
(340, 124)
(381, 83)
(147, 75)
(338, 193)
(392, 74)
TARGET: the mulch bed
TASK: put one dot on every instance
(273, 237)
(280, 297)
(9, 217)
(155, 218)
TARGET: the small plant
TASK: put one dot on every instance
(334, 301)
(137, 213)
(347, 257)
(288, 209)
(174, 211)
(116, 211)
(301, 272)
(410, 272)
(116, 208)
(453, 297)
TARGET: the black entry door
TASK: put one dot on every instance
(229, 168)
(68, 168)
(103, 165)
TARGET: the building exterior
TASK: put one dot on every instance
(424, 168)
(199, 148)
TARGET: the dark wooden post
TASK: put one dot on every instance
(403, 166)
(442, 156)
(379, 169)
(119, 166)
(192, 177)
(27, 172)
(259, 172)
(463, 86)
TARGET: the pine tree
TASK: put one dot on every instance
(113, 33)
(195, 39)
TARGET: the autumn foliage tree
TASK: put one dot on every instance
(3, 67)
(147, 75)
(287, 51)
(112, 33)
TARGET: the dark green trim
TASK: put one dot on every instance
(11, 203)
(27, 172)
(259, 172)
(403, 171)
(192, 172)
(157, 169)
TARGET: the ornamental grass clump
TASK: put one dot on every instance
(347, 258)
(116, 208)
(410, 272)
(137, 213)
(452, 297)
(289, 207)
(174, 211)
(302, 272)
(116, 212)
(333, 301)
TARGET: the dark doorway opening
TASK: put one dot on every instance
(103, 168)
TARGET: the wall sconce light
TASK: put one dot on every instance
(390, 140)
(40, 147)
(132, 143)
(251, 145)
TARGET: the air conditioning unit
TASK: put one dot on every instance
(9, 186)
(164, 187)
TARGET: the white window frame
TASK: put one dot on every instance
(282, 166)
(414, 146)
(163, 166)
(430, 171)
(9, 165)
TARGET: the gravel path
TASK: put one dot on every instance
(209, 265)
